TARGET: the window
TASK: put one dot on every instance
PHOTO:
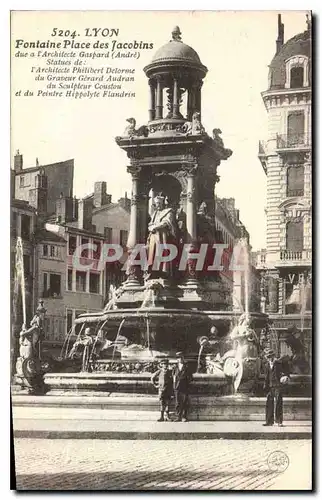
(25, 227)
(80, 281)
(108, 234)
(295, 180)
(22, 181)
(69, 320)
(294, 236)
(71, 245)
(52, 285)
(295, 128)
(45, 250)
(94, 228)
(97, 252)
(123, 238)
(70, 279)
(53, 251)
(297, 77)
(85, 251)
(94, 283)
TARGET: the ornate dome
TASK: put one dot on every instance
(176, 50)
(176, 53)
(299, 45)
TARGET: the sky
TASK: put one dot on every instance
(236, 47)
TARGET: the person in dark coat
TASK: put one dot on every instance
(181, 382)
(163, 381)
(273, 386)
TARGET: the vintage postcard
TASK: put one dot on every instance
(161, 289)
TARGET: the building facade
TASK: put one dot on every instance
(285, 155)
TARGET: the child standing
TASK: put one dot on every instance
(163, 381)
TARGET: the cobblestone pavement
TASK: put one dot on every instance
(159, 465)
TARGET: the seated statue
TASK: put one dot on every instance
(194, 127)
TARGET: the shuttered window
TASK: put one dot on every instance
(295, 128)
(295, 180)
(294, 236)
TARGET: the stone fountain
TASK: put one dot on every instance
(168, 305)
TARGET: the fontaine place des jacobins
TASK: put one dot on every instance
(167, 302)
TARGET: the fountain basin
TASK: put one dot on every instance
(135, 383)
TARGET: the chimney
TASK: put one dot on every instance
(85, 210)
(64, 209)
(18, 162)
(100, 196)
(280, 34)
(125, 202)
(39, 193)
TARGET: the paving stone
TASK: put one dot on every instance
(158, 465)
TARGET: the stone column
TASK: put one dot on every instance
(133, 233)
(191, 226)
(152, 100)
(198, 98)
(159, 106)
(134, 272)
(191, 209)
(189, 105)
(175, 99)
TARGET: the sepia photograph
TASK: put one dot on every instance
(161, 250)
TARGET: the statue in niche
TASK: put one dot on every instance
(162, 230)
(218, 145)
(131, 131)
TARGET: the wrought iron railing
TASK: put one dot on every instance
(292, 141)
(295, 192)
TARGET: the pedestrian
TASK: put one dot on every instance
(273, 385)
(163, 381)
(181, 382)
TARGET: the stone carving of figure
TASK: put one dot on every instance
(162, 230)
(218, 144)
(245, 338)
(82, 347)
(131, 131)
(194, 127)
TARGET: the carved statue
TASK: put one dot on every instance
(81, 348)
(29, 367)
(194, 127)
(131, 131)
(162, 230)
(218, 145)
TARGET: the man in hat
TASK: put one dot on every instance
(273, 386)
(162, 380)
(181, 382)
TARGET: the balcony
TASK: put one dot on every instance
(294, 192)
(293, 142)
(262, 148)
(293, 258)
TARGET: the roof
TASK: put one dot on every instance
(176, 50)
(299, 45)
(45, 235)
(175, 53)
(49, 165)
(22, 204)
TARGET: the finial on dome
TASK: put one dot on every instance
(176, 34)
